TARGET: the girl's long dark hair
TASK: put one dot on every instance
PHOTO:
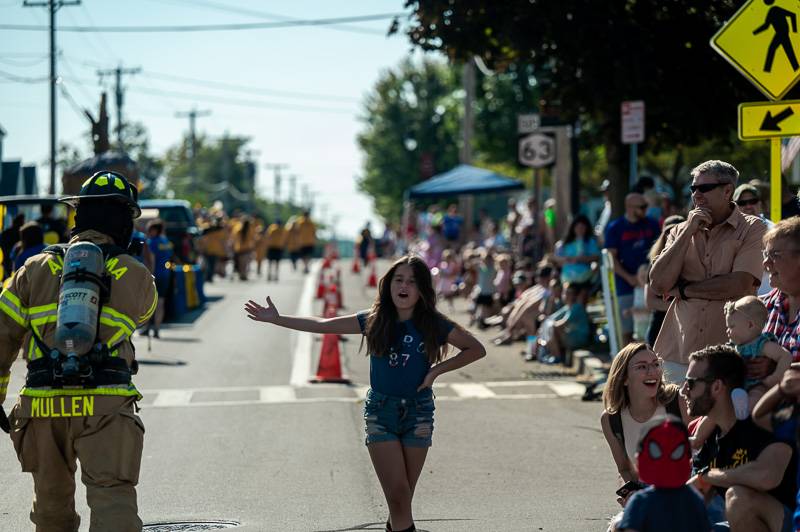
(381, 327)
(580, 219)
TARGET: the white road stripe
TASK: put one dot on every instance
(287, 394)
(567, 389)
(173, 398)
(315, 400)
(472, 390)
(277, 394)
(301, 359)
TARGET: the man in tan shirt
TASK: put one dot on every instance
(712, 257)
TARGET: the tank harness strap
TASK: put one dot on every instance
(101, 368)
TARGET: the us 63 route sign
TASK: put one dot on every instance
(537, 150)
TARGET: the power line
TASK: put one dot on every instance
(240, 102)
(22, 79)
(264, 14)
(234, 87)
(242, 88)
(23, 62)
(206, 27)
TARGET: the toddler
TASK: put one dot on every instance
(745, 319)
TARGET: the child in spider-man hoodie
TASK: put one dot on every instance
(667, 504)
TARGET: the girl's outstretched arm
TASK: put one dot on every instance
(269, 314)
(471, 350)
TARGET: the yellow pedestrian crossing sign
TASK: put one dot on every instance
(766, 120)
(762, 42)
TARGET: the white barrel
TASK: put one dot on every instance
(79, 300)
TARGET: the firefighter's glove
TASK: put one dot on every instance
(5, 426)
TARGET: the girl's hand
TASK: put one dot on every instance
(256, 312)
(428, 382)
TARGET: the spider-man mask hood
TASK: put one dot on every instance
(664, 455)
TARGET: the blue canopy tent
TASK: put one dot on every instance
(463, 179)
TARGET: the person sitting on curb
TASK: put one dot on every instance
(741, 464)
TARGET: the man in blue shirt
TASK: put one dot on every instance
(629, 239)
(451, 224)
(161, 252)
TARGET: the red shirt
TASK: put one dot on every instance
(788, 332)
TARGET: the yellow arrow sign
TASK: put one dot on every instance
(761, 40)
(766, 120)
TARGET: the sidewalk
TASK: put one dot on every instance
(502, 363)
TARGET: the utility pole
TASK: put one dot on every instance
(306, 197)
(52, 7)
(292, 187)
(277, 168)
(467, 202)
(468, 125)
(193, 114)
(118, 73)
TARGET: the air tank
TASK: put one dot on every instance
(78, 303)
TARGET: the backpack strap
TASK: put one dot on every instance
(109, 250)
(56, 249)
(615, 420)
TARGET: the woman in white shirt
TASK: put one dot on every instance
(635, 394)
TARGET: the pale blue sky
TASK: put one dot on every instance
(303, 85)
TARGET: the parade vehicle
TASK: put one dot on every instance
(179, 225)
(31, 207)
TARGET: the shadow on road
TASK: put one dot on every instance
(382, 526)
(161, 361)
(193, 315)
(180, 339)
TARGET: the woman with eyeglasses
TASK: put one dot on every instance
(748, 199)
(635, 394)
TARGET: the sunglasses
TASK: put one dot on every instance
(706, 187)
(691, 381)
(746, 202)
(642, 207)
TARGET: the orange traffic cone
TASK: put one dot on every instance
(338, 286)
(372, 282)
(321, 285)
(331, 296)
(330, 366)
(356, 265)
(326, 263)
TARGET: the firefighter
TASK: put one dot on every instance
(80, 406)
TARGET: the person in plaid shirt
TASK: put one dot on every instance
(782, 261)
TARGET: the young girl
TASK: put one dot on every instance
(447, 280)
(407, 342)
(745, 319)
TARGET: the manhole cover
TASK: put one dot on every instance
(189, 526)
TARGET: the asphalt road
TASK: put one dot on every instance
(234, 432)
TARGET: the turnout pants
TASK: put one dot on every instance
(109, 449)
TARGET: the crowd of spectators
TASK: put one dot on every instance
(733, 357)
(709, 301)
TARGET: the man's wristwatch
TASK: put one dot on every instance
(702, 483)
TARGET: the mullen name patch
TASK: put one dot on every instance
(66, 406)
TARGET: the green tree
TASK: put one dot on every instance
(411, 131)
(219, 171)
(589, 56)
(499, 98)
(137, 145)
